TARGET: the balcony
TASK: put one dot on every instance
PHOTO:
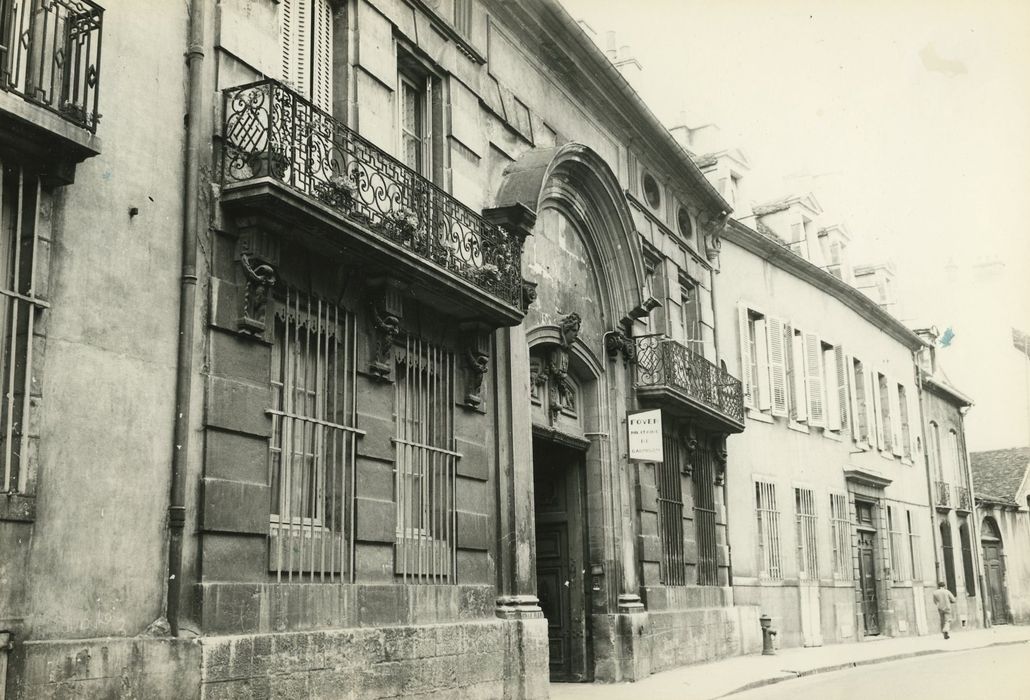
(287, 159)
(942, 494)
(962, 499)
(50, 80)
(684, 383)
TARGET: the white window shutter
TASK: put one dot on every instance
(762, 382)
(856, 423)
(322, 53)
(915, 423)
(745, 358)
(873, 404)
(831, 390)
(777, 367)
(294, 43)
(798, 393)
(814, 380)
(840, 362)
(895, 409)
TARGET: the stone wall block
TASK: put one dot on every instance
(473, 530)
(376, 520)
(235, 457)
(238, 357)
(238, 406)
(378, 439)
(235, 506)
(475, 459)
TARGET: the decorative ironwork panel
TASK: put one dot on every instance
(943, 493)
(705, 527)
(50, 55)
(672, 571)
(272, 132)
(662, 361)
(962, 499)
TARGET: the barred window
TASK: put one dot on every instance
(704, 515)
(768, 518)
(805, 527)
(426, 463)
(840, 533)
(20, 308)
(670, 513)
(899, 562)
(913, 547)
(311, 452)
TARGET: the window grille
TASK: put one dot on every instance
(805, 529)
(670, 513)
(899, 563)
(840, 532)
(20, 308)
(913, 548)
(311, 455)
(768, 530)
(704, 516)
(426, 463)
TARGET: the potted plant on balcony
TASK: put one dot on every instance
(402, 223)
(488, 275)
(338, 192)
(274, 161)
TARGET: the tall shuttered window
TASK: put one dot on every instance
(967, 556)
(906, 428)
(414, 97)
(840, 535)
(311, 452)
(899, 562)
(20, 309)
(426, 462)
(306, 49)
(768, 520)
(670, 512)
(805, 524)
(914, 547)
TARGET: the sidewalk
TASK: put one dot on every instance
(720, 678)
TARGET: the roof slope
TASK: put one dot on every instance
(998, 474)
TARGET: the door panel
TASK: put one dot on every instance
(867, 581)
(994, 576)
(551, 575)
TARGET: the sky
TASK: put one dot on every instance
(909, 120)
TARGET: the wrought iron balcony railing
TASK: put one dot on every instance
(50, 55)
(662, 361)
(272, 132)
(943, 493)
(962, 499)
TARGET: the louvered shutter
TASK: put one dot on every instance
(777, 367)
(762, 350)
(895, 413)
(875, 416)
(814, 380)
(840, 362)
(915, 424)
(745, 358)
(856, 422)
(830, 390)
(306, 49)
(797, 379)
(322, 53)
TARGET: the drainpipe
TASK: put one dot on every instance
(187, 311)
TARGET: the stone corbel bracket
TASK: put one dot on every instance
(616, 342)
(476, 355)
(721, 455)
(713, 226)
(689, 439)
(258, 257)
(385, 311)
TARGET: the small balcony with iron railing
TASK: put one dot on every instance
(963, 501)
(942, 494)
(50, 74)
(681, 381)
(286, 159)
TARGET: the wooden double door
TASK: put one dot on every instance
(994, 574)
(561, 561)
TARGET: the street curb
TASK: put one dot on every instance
(788, 675)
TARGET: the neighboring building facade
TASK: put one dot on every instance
(373, 427)
(838, 546)
(956, 532)
(1002, 482)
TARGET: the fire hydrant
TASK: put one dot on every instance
(768, 635)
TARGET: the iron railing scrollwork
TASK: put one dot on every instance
(962, 499)
(50, 55)
(943, 493)
(272, 132)
(662, 361)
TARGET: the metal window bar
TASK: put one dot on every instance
(899, 563)
(913, 548)
(704, 516)
(840, 529)
(805, 533)
(312, 448)
(768, 530)
(50, 55)
(20, 195)
(273, 132)
(672, 571)
(426, 464)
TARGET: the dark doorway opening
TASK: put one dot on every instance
(868, 577)
(994, 572)
(561, 557)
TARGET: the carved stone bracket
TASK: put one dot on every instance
(562, 393)
(713, 227)
(386, 309)
(616, 342)
(689, 439)
(477, 361)
(528, 294)
(719, 449)
(258, 256)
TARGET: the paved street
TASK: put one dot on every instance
(999, 673)
(907, 667)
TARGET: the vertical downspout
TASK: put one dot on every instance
(187, 311)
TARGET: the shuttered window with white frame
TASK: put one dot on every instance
(814, 381)
(761, 364)
(306, 49)
(872, 405)
(840, 360)
(908, 449)
(777, 367)
(895, 415)
(798, 394)
(747, 374)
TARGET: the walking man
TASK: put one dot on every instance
(943, 599)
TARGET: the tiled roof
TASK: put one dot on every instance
(998, 474)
